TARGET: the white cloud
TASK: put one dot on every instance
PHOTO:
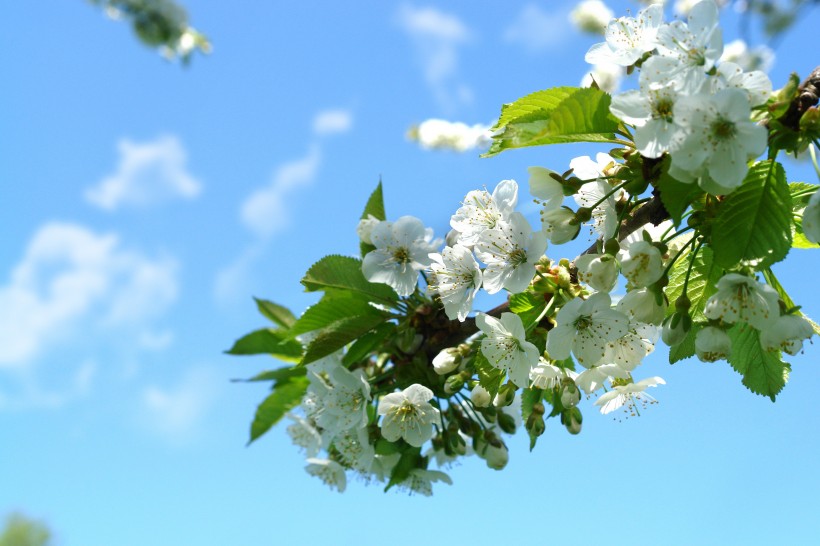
(148, 173)
(265, 211)
(30, 394)
(178, 413)
(68, 278)
(538, 30)
(330, 122)
(437, 37)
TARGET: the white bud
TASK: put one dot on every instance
(480, 397)
(447, 360)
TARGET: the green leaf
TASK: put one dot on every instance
(558, 115)
(488, 377)
(702, 280)
(528, 306)
(276, 313)
(339, 334)
(368, 343)
(286, 396)
(753, 224)
(344, 272)
(685, 348)
(279, 375)
(763, 372)
(409, 460)
(375, 208)
(801, 192)
(333, 307)
(268, 341)
(676, 196)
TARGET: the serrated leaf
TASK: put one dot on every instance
(268, 341)
(368, 343)
(753, 223)
(676, 196)
(276, 313)
(801, 192)
(334, 306)
(686, 348)
(764, 372)
(558, 115)
(528, 306)
(339, 334)
(345, 273)
(375, 208)
(488, 377)
(286, 396)
(705, 274)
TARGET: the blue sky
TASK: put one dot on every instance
(145, 203)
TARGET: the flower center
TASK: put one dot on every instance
(401, 255)
(406, 411)
(724, 129)
(518, 257)
(583, 322)
(663, 109)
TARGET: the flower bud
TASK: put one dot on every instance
(365, 228)
(572, 420)
(480, 397)
(505, 396)
(455, 382)
(570, 394)
(506, 422)
(675, 328)
(535, 424)
(447, 360)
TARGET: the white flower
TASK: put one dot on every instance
(630, 395)
(592, 379)
(340, 399)
(712, 344)
(627, 38)
(480, 397)
(365, 228)
(592, 194)
(720, 139)
(559, 225)
(642, 306)
(811, 219)
(545, 187)
(651, 108)
(402, 250)
(421, 481)
(584, 327)
(600, 271)
(685, 6)
(629, 350)
(760, 57)
(439, 134)
(591, 16)
(355, 450)
(510, 251)
(607, 76)
(481, 211)
(330, 472)
(786, 334)
(546, 376)
(506, 347)
(304, 435)
(456, 279)
(447, 360)
(642, 264)
(756, 84)
(408, 415)
(696, 46)
(741, 298)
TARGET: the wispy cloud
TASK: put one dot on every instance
(148, 173)
(68, 278)
(178, 413)
(537, 30)
(331, 122)
(437, 37)
(265, 211)
(26, 392)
